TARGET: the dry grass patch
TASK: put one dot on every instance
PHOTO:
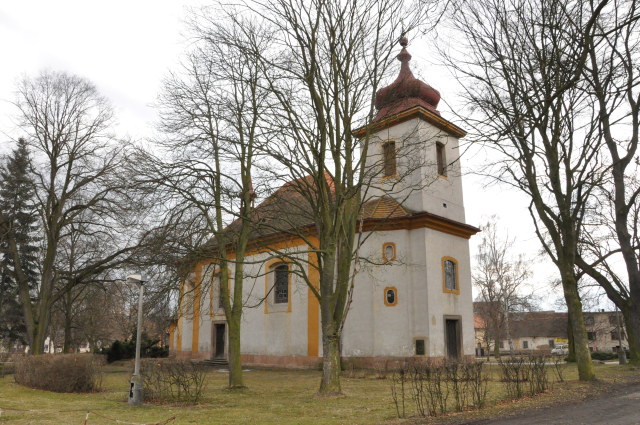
(272, 397)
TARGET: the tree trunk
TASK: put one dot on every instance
(236, 379)
(571, 357)
(632, 325)
(66, 348)
(578, 329)
(331, 366)
(39, 336)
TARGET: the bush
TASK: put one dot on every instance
(522, 373)
(123, 350)
(603, 355)
(62, 373)
(173, 380)
(432, 384)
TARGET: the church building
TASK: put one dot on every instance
(411, 300)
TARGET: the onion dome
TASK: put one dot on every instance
(406, 91)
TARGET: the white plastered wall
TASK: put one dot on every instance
(418, 186)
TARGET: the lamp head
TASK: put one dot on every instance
(136, 278)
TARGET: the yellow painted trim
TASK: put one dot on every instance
(180, 317)
(395, 297)
(393, 176)
(197, 296)
(313, 307)
(444, 283)
(269, 269)
(384, 254)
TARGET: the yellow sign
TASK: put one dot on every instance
(561, 341)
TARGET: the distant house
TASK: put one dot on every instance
(537, 330)
(602, 331)
(542, 330)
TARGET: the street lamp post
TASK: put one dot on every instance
(135, 387)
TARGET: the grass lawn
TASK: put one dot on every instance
(272, 397)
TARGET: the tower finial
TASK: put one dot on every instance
(404, 41)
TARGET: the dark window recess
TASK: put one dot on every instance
(441, 159)
(552, 343)
(501, 345)
(389, 153)
(525, 344)
(589, 320)
(613, 320)
(420, 351)
(591, 336)
(450, 275)
(391, 296)
(614, 335)
(281, 284)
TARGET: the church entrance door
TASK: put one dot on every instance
(218, 338)
(453, 339)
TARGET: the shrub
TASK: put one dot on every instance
(519, 372)
(173, 380)
(123, 350)
(63, 373)
(603, 355)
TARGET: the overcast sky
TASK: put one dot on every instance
(127, 47)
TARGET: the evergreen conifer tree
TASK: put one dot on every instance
(19, 223)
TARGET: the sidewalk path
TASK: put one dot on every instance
(618, 407)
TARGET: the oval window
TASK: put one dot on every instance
(390, 296)
(389, 251)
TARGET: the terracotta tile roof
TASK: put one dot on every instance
(288, 211)
(383, 207)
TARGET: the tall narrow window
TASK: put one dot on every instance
(389, 153)
(450, 275)
(281, 284)
(219, 287)
(441, 159)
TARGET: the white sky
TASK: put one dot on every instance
(127, 47)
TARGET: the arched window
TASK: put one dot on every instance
(450, 275)
(389, 157)
(441, 159)
(281, 284)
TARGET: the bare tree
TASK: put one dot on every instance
(323, 66)
(76, 167)
(501, 277)
(211, 113)
(612, 81)
(521, 70)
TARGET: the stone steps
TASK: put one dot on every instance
(215, 362)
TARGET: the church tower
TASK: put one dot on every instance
(413, 152)
(417, 300)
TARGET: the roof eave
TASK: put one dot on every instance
(415, 112)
